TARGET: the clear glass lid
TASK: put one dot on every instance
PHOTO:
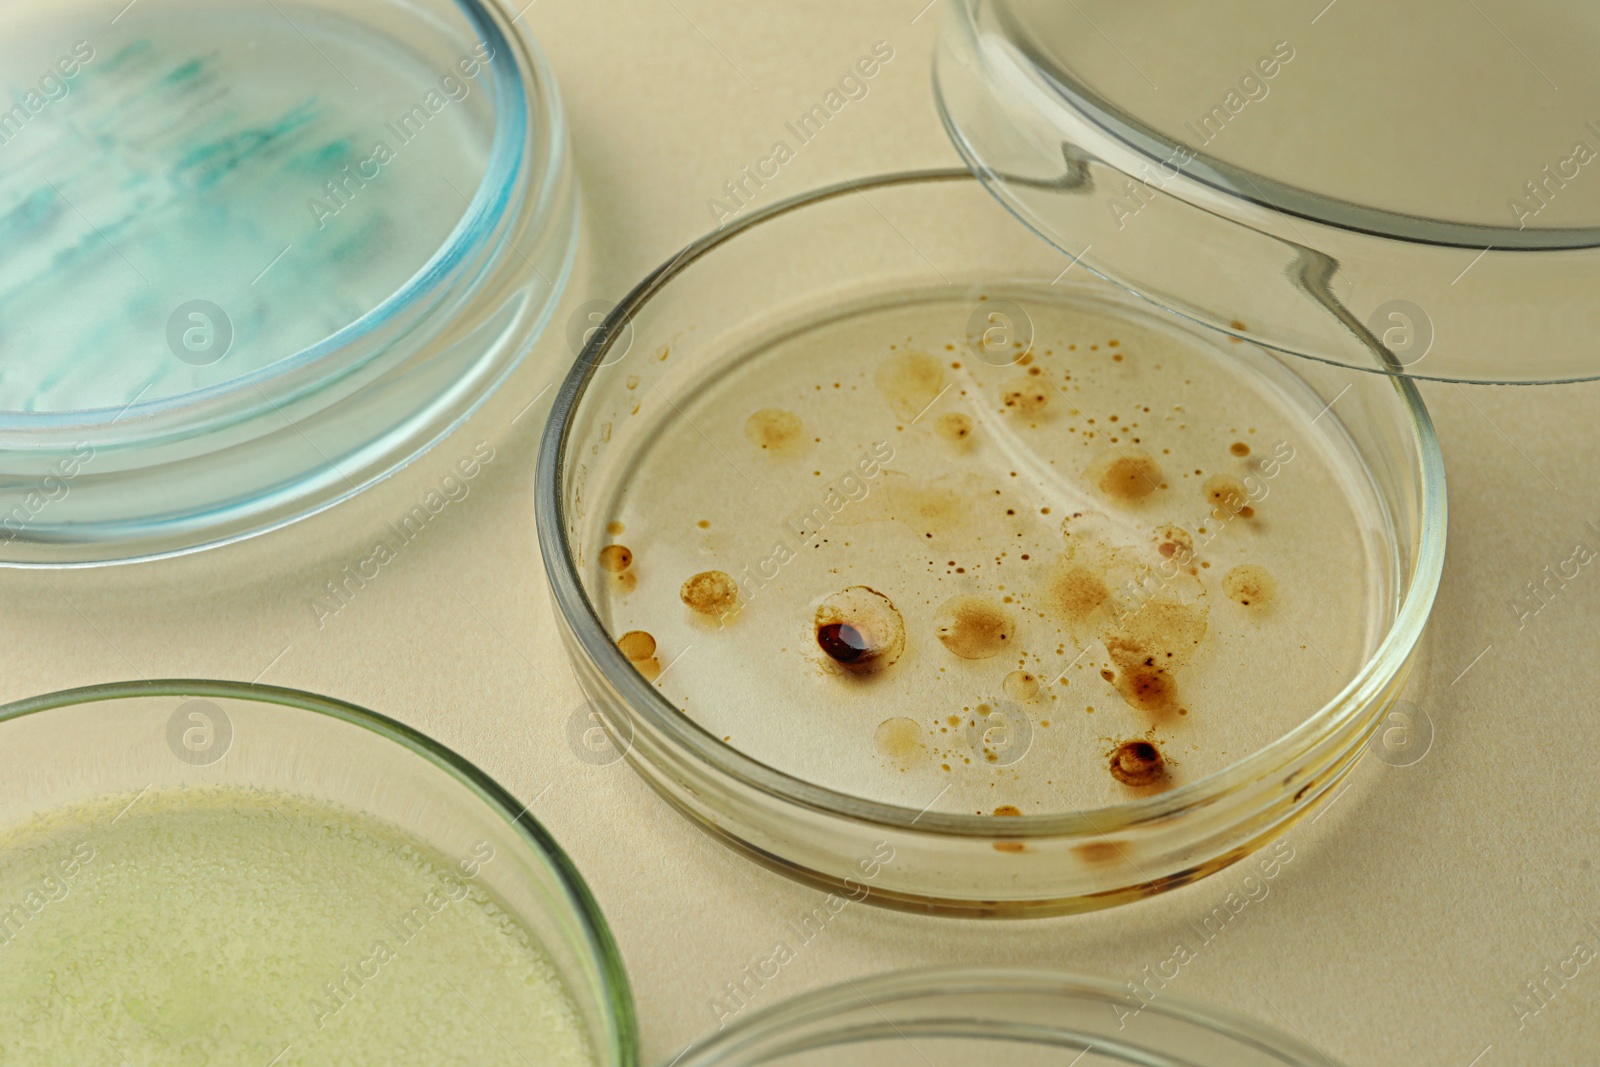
(1393, 187)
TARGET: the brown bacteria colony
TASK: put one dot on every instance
(860, 631)
(991, 566)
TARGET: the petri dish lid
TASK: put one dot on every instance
(256, 255)
(956, 1016)
(1407, 188)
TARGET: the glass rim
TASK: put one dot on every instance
(641, 698)
(1232, 181)
(597, 936)
(529, 125)
(955, 980)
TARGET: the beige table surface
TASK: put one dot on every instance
(1415, 908)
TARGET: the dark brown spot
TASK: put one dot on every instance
(860, 630)
(1137, 763)
(1239, 448)
(1008, 810)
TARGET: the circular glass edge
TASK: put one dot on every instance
(819, 1005)
(624, 1051)
(482, 218)
(540, 193)
(641, 698)
(1221, 177)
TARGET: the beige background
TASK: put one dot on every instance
(1416, 906)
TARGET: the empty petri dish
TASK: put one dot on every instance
(885, 541)
(951, 1016)
(259, 255)
(1331, 180)
(230, 873)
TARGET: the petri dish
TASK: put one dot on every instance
(258, 256)
(230, 873)
(883, 541)
(960, 1016)
(1338, 177)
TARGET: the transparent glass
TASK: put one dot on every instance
(1411, 180)
(258, 256)
(950, 1017)
(824, 251)
(79, 746)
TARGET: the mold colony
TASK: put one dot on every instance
(224, 925)
(888, 561)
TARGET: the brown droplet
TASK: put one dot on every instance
(897, 738)
(614, 529)
(860, 630)
(954, 427)
(909, 381)
(1098, 852)
(1226, 495)
(1150, 645)
(1239, 448)
(1008, 811)
(1020, 685)
(1126, 475)
(616, 558)
(710, 593)
(1010, 846)
(1025, 396)
(637, 645)
(1250, 585)
(1137, 763)
(974, 627)
(1174, 542)
(775, 430)
(1073, 591)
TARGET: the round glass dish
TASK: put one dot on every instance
(1356, 177)
(952, 1016)
(147, 743)
(929, 781)
(258, 257)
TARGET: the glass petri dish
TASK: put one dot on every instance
(911, 564)
(258, 256)
(1356, 177)
(951, 1016)
(235, 872)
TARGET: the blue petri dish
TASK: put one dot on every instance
(255, 257)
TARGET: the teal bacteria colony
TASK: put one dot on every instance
(191, 194)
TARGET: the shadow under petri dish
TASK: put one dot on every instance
(1088, 566)
(214, 189)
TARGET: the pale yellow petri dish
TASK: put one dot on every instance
(201, 872)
